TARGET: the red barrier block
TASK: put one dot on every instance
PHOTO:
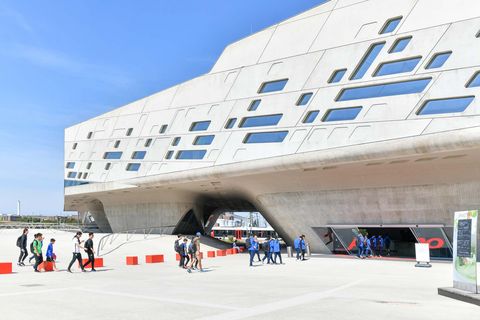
(177, 257)
(221, 253)
(98, 263)
(155, 258)
(242, 249)
(132, 261)
(5, 267)
(211, 254)
(234, 251)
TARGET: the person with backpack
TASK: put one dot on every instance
(191, 252)
(22, 244)
(177, 247)
(90, 252)
(266, 250)
(37, 249)
(184, 253)
(77, 255)
(257, 252)
(296, 245)
(32, 251)
(252, 247)
(276, 251)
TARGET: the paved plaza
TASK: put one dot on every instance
(323, 287)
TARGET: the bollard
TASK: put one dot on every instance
(309, 254)
(289, 252)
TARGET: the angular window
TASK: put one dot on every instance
(400, 45)
(450, 105)
(85, 175)
(163, 129)
(399, 66)
(70, 165)
(478, 34)
(337, 76)
(204, 140)
(117, 144)
(133, 167)
(112, 155)
(169, 155)
(79, 175)
(139, 155)
(148, 142)
(391, 25)
(176, 141)
(89, 135)
(383, 90)
(367, 61)
(260, 121)
(89, 165)
(475, 81)
(254, 105)
(200, 126)
(272, 86)
(129, 132)
(342, 114)
(230, 123)
(191, 154)
(107, 166)
(438, 60)
(74, 146)
(72, 174)
(265, 137)
(304, 99)
(311, 116)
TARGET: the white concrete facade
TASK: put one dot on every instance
(388, 165)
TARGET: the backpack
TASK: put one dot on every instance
(31, 247)
(248, 244)
(19, 241)
(192, 248)
(176, 246)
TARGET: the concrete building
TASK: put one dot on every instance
(354, 114)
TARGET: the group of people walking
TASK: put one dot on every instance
(270, 247)
(372, 246)
(300, 246)
(189, 252)
(36, 248)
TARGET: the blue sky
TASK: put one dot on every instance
(62, 62)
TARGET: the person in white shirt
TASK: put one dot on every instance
(77, 255)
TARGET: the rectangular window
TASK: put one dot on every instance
(176, 141)
(133, 167)
(70, 165)
(367, 61)
(260, 121)
(390, 25)
(343, 114)
(72, 174)
(200, 126)
(230, 123)
(450, 105)
(129, 132)
(191, 154)
(265, 137)
(204, 140)
(254, 105)
(89, 135)
(311, 116)
(163, 129)
(85, 175)
(272, 86)
(399, 66)
(107, 166)
(169, 155)
(89, 165)
(383, 90)
(112, 155)
(337, 76)
(304, 99)
(399, 45)
(148, 142)
(117, 144)
(438, 60)
(474, 81)
(74, 146)
(139, 155)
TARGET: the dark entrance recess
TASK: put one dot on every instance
(188, 224)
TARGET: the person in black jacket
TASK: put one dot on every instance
(90, 252)
(22, 244)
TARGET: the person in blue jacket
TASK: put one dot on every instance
(296, 245)
(252, 249)
(373, 241)
(360, 245)
(303, 247)
(379, 246)
(50, 255)
(368, 246)
(276, 251)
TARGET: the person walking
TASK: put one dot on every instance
(32, 251)
(50, 255)
(296, 246)
(276, 251)
(252, 249)
(184, 253)
(303, 246)
(266, 250)
(198, 252)
(387, 242)
(368, 246)
(37, 249)
(373, 241)
(191, 252)
(176, 246)
(22, 244)
(90, 252)
(258, 248)
(360, 245)
(77, 255)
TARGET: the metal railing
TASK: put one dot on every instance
(107, 244)
(39, 225)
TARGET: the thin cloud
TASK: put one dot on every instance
(17, 18)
